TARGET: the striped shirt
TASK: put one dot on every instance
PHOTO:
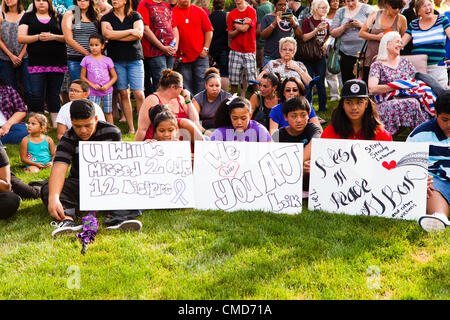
(430, 42)
(81, 33)
(67, 149)
(439, 151)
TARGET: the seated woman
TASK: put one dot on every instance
(286, 67)
(233, 123)
(169, 93)
(291, 87)
(356, 116)
(396, 112)
(207, 101)
(12, 112)
(265, 99)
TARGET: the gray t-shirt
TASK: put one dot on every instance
(271, 47)
(208, 109)
(351, 43)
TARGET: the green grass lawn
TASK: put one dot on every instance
(193, 254)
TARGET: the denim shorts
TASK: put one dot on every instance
(129, 73)
(74, 69)
(443, 187)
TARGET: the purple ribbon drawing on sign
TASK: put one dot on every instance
(179, 186)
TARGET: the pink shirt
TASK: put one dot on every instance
(97, 71)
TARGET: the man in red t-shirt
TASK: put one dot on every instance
(195, 38)
(160, 29)
(241, 23)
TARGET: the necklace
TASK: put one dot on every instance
(188, 15)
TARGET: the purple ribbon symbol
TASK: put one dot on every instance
(179, 186)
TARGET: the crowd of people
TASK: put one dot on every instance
(189, 71)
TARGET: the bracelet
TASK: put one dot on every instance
(188, 101)
(271, 25)
(203, 131)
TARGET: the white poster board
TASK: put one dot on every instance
(234, 176)
(135, 175)
(373, 178)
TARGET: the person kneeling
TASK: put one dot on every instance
(61, 195)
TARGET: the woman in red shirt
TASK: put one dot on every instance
(356, 116)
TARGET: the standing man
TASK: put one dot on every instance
(241, 23)
(265, 7)
(196, 32)
(160, 41)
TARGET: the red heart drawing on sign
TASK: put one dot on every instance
(230, 170)
(390, 165)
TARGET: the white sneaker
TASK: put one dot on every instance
(65, 227)
(128, 225)
(433, 222)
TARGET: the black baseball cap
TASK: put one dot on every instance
(354, 88)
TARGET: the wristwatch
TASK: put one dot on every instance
(206, 49)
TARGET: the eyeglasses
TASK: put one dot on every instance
(291, 89)
(75, 91)
(287, 49)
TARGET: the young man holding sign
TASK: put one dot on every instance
(436, 132)
(61, 195)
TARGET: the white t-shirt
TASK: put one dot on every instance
(63, 116)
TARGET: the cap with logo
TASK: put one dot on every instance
(354, 88)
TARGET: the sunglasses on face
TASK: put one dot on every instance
(291, 89)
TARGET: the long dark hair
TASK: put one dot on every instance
(128, 8)
(370, 121)
(300, 86)
(222, 116)
(92, 13)
(51, 9)
(5, 8)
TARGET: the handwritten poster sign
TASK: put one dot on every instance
(248, 176)
(373, 178)
(135, 175)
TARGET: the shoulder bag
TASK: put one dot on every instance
(310, 50)
(334, 58)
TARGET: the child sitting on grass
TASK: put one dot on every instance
(232, 120)
(37, 148)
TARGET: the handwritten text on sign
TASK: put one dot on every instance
(248, 176)
(373, 178)
(135, 175)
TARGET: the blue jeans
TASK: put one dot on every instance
(15, 134)
(10, 75)
(129, 73)
(193, 74)
(154, 66)
(45, 87)
(74, 69)
(315, 69)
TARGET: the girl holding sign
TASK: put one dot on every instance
(233, 123)
(356, 116)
